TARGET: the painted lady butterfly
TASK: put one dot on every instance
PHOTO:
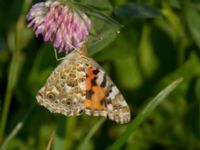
(79, 85)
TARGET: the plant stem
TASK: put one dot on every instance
(14, 68)
(11, 81)
(91, 133)
(6, 107)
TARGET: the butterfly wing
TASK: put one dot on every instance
(64, 90)
(103, 97)
(78, 85)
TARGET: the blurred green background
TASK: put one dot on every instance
(159, 41)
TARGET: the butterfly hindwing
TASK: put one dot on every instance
(64, 90)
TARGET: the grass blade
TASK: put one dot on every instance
(91, 133)
(49, 145)
(12, 135)
(144, 114)
(16, 130)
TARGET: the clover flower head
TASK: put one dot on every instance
(66, 27)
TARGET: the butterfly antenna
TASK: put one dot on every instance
(56, 55)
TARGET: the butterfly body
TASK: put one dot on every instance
(78, 85)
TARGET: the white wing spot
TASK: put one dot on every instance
(114, 92)
(82, 86)
(110, 107)
(67, 88)
(100, 78)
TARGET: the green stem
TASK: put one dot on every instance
(91, 133)
(12, 76)
(8, 96)
(6, 108)
(69, 134)
(58, 142)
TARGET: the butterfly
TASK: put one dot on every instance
(78, 85)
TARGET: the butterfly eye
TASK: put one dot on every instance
(51, 96)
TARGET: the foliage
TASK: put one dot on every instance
(159, 42)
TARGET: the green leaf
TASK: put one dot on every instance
(104, 28)
(98, 4)
(144, 114)
(148, 59)
(104, 38)
(193, 21)
(132, 10)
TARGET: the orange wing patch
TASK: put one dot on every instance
(94, 92)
